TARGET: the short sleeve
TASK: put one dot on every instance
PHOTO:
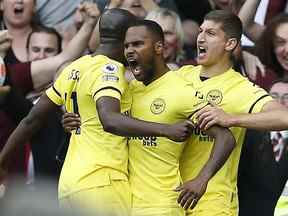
(110, 81)
(55, 91)
(253, 98)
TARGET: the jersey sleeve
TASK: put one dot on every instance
(253, 98)
(110, 81)
(54, 93)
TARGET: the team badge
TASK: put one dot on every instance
(214, 96)
(158, 106)
(110, 68)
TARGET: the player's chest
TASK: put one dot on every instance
(217, 95)
(160, 106)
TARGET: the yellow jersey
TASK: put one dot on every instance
(91, 148)
(154, 161)
(234, 94)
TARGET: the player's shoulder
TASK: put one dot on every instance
(188, 72)
(106, 65)
(237, 78)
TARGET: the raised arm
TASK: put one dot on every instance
(43, 71)
(192, 190)
(247, 13)
(24, 131)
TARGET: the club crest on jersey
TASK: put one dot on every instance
(110, 68)
(158, 106)
(214, 96)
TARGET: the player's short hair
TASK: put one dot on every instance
(114, 23)
(230, 23)
(153, 27)
(48, 30)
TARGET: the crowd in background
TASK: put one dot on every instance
(45, 35)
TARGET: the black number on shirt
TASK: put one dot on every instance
(75, 109)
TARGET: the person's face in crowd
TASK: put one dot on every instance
(222, 4)
(190, 29)
(279, 91)
(18, 13)
(168, 24)
(42, 45)
(135, 7)
(211, 43)
(281, 45)
(140, 52)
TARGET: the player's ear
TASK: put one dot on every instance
(159, 46)
(231, 44)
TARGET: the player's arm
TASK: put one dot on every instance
(113, 121)
(24, 131)
(43, 71)
(192, 190)
(273, 116)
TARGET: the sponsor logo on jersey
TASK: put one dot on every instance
(110, 68)
(146, 141)
(202, 136)
(110, 77)
(158, 106)
(214, 96)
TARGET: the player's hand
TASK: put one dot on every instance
(191, 191)
(5, 42)
(211, 115)
(89, 12)
(70, 122)
(253, 65)
(179, 132)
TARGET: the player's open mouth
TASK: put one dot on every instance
(201, 51)
(134, 66)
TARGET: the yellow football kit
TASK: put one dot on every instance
(95, 158)
(234, 94)
(154, 161)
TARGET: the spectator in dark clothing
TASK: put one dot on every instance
(263, 165)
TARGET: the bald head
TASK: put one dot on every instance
(114, 23)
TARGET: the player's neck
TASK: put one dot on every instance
(109, 50)
(159, 70)
(215, 69)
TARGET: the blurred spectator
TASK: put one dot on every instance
(169, 4)
(59, 13)
(69, 32)
(173, 33)
(272, 49)
(18, 19)
(37, 74)
(43, 42)
(263, 165)
(135, 7)
(191, 30)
